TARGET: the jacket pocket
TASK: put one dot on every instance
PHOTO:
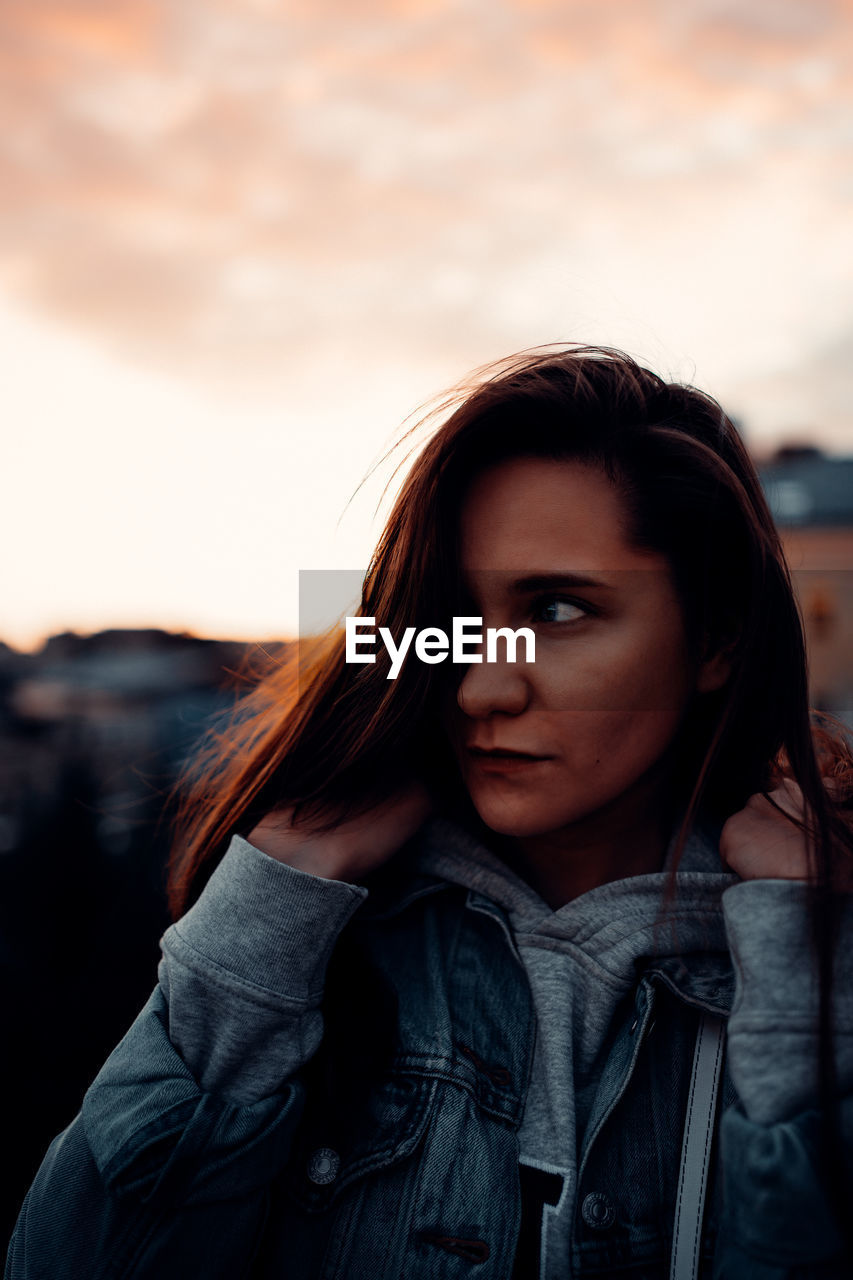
(337, 1145)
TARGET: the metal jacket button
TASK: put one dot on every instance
(597, 1211)
(323, 1166)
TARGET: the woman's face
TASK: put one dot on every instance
(542, 546)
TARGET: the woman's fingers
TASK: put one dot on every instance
(761, 841)
(765, 839)
(353, 847)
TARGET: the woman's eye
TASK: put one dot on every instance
(555, 609)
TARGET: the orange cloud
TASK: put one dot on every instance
(260, 178)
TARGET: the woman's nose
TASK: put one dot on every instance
(493, 686)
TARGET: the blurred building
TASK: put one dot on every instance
(93, 732)
(811, 496)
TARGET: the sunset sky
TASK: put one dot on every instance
(241, 241)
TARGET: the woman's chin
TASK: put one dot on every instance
(518, 820)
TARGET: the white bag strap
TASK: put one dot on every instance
(696, 1147)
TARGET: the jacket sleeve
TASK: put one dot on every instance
(777, 1223)
(197, 1104)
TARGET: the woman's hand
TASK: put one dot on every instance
(759, 842)
(351, 849)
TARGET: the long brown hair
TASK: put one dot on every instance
(333, 738)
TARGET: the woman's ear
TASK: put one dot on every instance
(716, 665)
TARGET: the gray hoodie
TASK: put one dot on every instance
(243, 975)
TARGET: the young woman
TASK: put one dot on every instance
(538, 966)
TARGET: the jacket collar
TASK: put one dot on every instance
(705, 979)
(393, 890)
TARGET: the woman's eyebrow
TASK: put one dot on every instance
(546, 581)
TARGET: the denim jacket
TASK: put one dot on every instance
(393, 1151)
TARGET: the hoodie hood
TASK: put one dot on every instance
(613, 923)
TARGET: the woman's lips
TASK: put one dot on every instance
(497, 761)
